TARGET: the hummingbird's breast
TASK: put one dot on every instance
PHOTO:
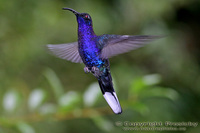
(88, 49)
(89, 53)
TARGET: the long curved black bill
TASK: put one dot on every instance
(72, 10)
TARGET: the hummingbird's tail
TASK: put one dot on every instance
(105, 83)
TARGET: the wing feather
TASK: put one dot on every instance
(66, 51)
(118, 44)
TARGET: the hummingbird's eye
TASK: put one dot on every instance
(87, 16)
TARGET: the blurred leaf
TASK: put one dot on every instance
(160, 92)
(91, 94)
(36, 98)
(140, 107)
(137, 85)
(48, 108)
(54, 82)
(68, 100)
(103, 123)
(77, 112)
(25, 128)
(141, 83)
(10, 100)
(152, 79)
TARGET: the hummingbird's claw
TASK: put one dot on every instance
(86, 70)
(95, 71)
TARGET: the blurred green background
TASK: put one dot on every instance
(40, 93)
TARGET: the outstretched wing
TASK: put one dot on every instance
(67, 51)
(112, 45)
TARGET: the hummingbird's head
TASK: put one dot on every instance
(82, 18)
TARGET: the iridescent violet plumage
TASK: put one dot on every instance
(88, 49)
(94, 52)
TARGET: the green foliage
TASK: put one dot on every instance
(10, 101)
(24, 128)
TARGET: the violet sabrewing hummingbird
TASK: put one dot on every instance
(94, 51)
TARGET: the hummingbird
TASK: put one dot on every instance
(95, 50)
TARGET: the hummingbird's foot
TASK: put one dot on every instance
(95, 71)
(86, 70)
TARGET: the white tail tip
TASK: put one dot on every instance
(113, 102)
